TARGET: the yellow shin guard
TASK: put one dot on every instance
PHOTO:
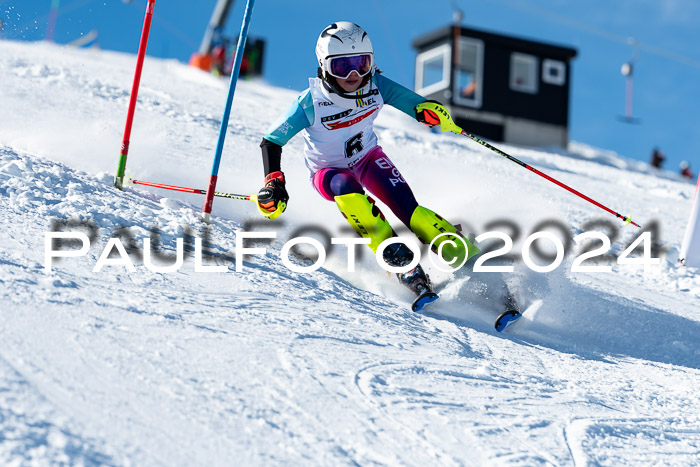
(365, 217)
(427, 226)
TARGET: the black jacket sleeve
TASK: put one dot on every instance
(271, 156)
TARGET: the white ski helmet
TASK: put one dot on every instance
(338, 40)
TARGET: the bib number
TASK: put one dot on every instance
(353, 145)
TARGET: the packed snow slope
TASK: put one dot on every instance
(270, 366)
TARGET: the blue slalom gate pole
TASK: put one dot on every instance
(209, 201)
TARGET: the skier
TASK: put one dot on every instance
(685, 170)
(336, 114)
(657, 158)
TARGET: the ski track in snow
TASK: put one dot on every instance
(269, 366)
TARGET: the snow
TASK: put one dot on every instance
(270, 366)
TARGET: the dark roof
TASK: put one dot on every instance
(525, 45)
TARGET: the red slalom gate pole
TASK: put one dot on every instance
(119, 178)
(626, 219)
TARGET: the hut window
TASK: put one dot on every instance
(469, 66)
(433, 69)
(523, 73)
(553, 72)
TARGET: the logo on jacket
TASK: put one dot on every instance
(362, 98)
(338, 116)
(338, 125)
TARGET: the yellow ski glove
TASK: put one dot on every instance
(432, 113)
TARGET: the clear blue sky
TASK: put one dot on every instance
(667, 93)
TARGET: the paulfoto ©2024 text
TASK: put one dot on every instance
(593, 246)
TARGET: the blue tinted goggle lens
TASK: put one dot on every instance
(341, 67)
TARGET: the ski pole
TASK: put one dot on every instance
(119, 178)
(209, 200)
(183, 189)
(447, 124)
(626, 219)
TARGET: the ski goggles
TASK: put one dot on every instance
(342, 66)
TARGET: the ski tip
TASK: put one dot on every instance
(506, 319)
(423, 300)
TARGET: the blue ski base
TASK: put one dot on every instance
(424, 299)
(506, 319)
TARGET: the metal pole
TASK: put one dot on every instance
(53, 16)
(217, 21)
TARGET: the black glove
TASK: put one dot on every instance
(273, 197)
